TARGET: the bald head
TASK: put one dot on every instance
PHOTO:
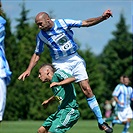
(41, 15)
(43, 21)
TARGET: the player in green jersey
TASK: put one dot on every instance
(64, 92)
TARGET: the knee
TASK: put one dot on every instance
(39, 131)
(86, 88)
(42, 130)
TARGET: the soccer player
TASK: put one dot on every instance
(5, 73)
(114, 105)
(57, 34)
(64, 92)
(123, 96)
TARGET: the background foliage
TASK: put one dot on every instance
(24, 98)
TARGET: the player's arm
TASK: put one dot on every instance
(63, 82)
(33, 62)
(116, 99)
(35, 58)
(94, 21)
(46, 102)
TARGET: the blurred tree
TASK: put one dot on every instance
(22, 23)
(116, 57)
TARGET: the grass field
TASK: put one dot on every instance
(32, 126)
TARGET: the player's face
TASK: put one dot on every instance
(126, 81)
(43, 24)
(44, 75)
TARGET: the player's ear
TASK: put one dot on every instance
(48, 71)
(48, 21)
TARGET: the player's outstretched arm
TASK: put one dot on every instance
(33, 62)
(63, 82)
(94, 21)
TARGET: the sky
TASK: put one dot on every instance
(94, 37)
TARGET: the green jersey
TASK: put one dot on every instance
(65, 94)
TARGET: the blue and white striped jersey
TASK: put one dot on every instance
(4, 67)
(124, 95)
(59, 38)
(2, 31)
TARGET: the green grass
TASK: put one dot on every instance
(32, 126)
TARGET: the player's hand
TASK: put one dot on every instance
(121, 103)
(54, 84)
(24, 75)
(45, 103)
(107, 14)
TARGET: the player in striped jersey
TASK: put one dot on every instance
(123, 96)
(5, 73)
(57, 35)
(114, 106)
(64, 92)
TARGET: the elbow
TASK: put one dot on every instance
(36, 57)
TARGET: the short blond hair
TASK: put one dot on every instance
(49, 66)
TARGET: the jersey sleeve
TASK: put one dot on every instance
(117, 90)
(132, 95)
(73, 23)
(39, 45)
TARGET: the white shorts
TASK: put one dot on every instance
(124, 114)
(74, 65)
(2, 97)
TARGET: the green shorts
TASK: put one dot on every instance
(62, 120)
